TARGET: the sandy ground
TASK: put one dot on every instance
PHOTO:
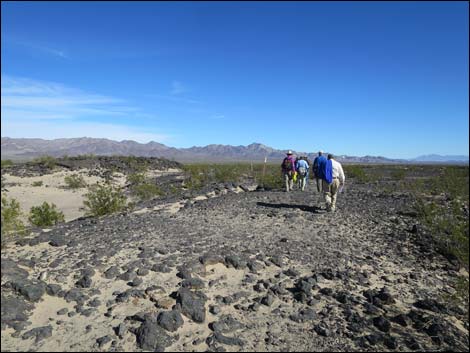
(53, 190)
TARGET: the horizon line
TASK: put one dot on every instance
(253, 143)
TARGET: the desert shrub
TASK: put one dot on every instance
(453, 181)
(6, 163)
(446, 219)
(136, 178)
(103, 199)
(134, 163)
(271, 181)
(448, 224)
(146, 191)
(47, 161)
(198, 175)
(45, 215)
(37, 183)
(142, 188)
(75, 181)
(11, 223)
(363, 173)
(357, 172)
(398, 174)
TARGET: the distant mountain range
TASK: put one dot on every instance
(28, 148)
(439, 158)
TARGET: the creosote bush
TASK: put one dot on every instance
(47, 161)
(11, 223)
(45, 215)
(6, 163)
(103, 199)
(146, 191)
(143, 188)
(37, 183)
(199, 175)
(75, 181)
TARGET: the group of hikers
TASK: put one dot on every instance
(328, 174)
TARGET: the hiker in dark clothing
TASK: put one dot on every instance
(288, 170)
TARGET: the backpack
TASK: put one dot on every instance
(287, 164)
(302, 171)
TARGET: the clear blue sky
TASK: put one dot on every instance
(356, 78)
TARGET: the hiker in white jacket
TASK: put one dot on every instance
(336, 184)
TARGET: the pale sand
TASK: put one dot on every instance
(53, 190)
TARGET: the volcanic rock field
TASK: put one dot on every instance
(235, 268)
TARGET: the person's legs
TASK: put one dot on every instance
(319, 184)
(286, 181)
(302, 183)
(334, 193)
(326, 194)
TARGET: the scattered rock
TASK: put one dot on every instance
(382, 323)
(226, 323)
(62, 311)
(192, 304)
(31, 290)
(84, 282)
(193, 283)
(39, 333)
(120, 330)
(219, 337)
(170, 320)
(152, 337)
(102, 341)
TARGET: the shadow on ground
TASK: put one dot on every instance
(313, 209)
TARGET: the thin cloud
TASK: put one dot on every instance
(71, 129)
(177, 88)
(39, 48)
(33, 108)
(175, 99)
(40, 100)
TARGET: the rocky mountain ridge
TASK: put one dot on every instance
(23, 149)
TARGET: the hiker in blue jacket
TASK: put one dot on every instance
(318, 172)
(325, 169)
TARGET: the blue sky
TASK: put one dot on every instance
(356, 78)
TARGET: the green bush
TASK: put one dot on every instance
(363, 173)
(357, 172)
(398, 174)
(75, 181)
(11, 223)
(37, 183)
(446, 219)
(45, 215)
(47, 161)
(448, 225)
(103, 199)
(6, 163)
(146, 191)
(136, 178)
(271, 181)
